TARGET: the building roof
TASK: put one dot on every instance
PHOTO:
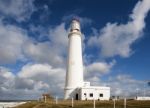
(95, 87)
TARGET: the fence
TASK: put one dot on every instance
(124, 103)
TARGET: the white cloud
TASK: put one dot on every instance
(101, 67)
(35, 79)
(125, 85)
(43, 52)
(94, 71)
(45, 77)
(6, 81)
(31, 81)
(5, 74)
(53, 51)
(39, 31)
(29, 71)
(37, 70)
(16, 45)
(20, 10)
(59, 36)
(12, 40)
(22, 83)
(94, 81)
(116, 39)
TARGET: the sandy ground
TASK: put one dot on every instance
(10, 104)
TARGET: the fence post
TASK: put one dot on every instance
(56, 100)
(72, 102)
(94, 103)
(114, 103)
(45, 99)
(125, 102)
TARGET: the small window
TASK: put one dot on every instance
(100, 95)
(85, 94)
(91, 94)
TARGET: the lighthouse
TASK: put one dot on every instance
(74, 74)
(75, 87)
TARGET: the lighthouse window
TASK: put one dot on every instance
(100, 95)
(91, 94)
(85, 94)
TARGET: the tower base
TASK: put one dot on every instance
(71, 93)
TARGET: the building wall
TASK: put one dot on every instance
(142, 98)
(85, 93)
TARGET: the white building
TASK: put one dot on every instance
(75, 86)
(142, 98)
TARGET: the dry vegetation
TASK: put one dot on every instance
(85, 104)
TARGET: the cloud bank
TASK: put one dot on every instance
(20, 10)
(31, 82)
(117, 39)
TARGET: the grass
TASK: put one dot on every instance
(85, 104)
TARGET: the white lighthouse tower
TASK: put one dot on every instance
(74, 75)
(75, 86)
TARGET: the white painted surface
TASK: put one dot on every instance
(114, 103)
(125, 102)
(10, 104)
(74, 75)
(94, 103)
(72, 102)
(143, 98)
(75, 65)
(96, 91)
(75, 87)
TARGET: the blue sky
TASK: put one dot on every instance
(33, 45)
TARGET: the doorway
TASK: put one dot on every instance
(77, 96)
